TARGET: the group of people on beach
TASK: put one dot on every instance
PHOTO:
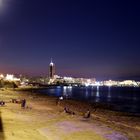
(22, 102)
(87, 114)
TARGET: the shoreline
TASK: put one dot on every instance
(125, 123)
(99, 105)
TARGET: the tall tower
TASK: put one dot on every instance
(51, 70)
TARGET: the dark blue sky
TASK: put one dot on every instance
(85, 38)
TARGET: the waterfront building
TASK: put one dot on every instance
(110, 83)
(128, 83)
(51, 70)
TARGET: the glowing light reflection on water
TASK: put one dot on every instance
(125, 99)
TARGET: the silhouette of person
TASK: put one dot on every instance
(23, 103)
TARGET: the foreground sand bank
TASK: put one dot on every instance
(43, 119)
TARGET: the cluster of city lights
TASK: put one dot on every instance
(9, 77)
(71, 81)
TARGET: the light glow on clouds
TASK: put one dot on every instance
(1, 4)
(5, 6)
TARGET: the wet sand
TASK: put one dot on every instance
(44, 119)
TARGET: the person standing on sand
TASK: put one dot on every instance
(23, 103)
(57, 101)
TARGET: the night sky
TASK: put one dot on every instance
(85, 38)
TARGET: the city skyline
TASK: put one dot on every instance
(85, 38)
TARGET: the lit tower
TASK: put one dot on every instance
(51, 70)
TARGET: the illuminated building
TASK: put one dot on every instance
(128, 83)
(10, 77)
(51, 70)
(1, 76)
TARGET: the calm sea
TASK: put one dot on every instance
(125, 99)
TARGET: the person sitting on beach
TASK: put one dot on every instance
(87, 114)
(2, 103)
(67, 110)
(17, 101)
(13, 100)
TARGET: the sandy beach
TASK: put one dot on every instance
(44, 119)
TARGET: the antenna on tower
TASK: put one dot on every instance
(51, 63)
